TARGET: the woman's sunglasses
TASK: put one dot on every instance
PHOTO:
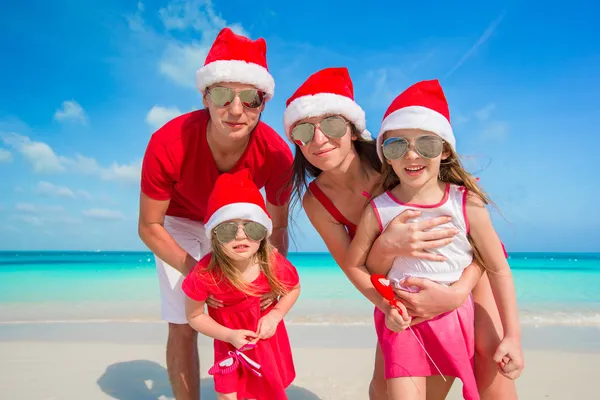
(428, 146)
(223, 96)
(333, 127)
(227, 231)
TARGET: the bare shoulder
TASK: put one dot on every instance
(473, 200)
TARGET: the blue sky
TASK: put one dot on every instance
(85, 83)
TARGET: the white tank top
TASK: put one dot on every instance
(459, 253)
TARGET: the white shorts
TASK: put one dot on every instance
(190, 236)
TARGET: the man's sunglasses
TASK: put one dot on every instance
(223, 96)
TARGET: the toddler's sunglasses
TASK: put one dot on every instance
(223, 96)
(227, 231)
(428, 146)
(333, 127)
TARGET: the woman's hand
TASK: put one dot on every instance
(431, 300)
(214, 303)
(413, 239)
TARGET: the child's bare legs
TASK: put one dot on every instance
(488, 333)
(419, 388)
(407, 388)
(378, 385)
(226, 396)
(437, 389)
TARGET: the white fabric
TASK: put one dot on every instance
(458, 253)
(190, 236)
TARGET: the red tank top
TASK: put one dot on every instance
(331, 208)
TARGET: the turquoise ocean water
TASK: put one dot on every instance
(552, 288)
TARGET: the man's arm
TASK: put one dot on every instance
(154, 235)
(279, 217)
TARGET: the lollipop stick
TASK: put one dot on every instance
(423, 347)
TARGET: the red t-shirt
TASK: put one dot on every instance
(200, 282)
(179, 166)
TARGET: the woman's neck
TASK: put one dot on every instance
(351, 174)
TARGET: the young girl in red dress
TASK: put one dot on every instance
(253, 357)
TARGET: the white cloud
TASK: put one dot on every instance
(496, 130)
(33, 209)
(26, 207)
(158, 116)
(484, 113)
(5, 156)
(83, 194)
(48, 189)
(103, 214)
(127, 173)
(70, 111)
(31, 219)
(44, 160)
(39, 154)
(180, 61)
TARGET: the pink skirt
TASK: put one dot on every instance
(448, 338)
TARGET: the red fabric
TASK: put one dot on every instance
(328, 80)
(243, 312)
(178, 165)
(229, 46)
(331, 208)
(427, 94)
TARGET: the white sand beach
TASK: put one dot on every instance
(111, 360)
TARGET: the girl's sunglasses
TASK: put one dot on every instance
(333, 127)
(428, 146)
(227, 231)
(223, 96)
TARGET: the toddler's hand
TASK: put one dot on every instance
(395, 321)
(240, 337)
(509, 357)
(267, 325)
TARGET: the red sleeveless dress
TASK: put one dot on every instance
(241, 311)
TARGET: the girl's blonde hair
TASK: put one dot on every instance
(264, 256)
(451, 171)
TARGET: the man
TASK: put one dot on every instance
(181, 164)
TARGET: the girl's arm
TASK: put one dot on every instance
(207, 326)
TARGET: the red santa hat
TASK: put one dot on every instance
(235, 196)
(421, 106)
(235, 58)
(329, 91)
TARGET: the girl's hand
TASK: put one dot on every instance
(395, 320)
(413, 239)
(240, 337)
(266, 300)
(509, 357)
(431, 300)
(267, 325)
(212, 302)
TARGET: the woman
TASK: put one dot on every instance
(334, 147)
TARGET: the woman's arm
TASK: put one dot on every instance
(337, 240)
(509, 354)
